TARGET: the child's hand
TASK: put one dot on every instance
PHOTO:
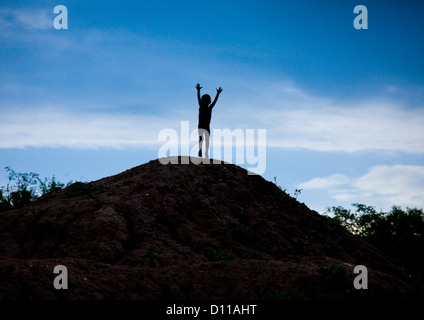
(198, 87)
(219, 90)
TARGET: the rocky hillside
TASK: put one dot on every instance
(186, 232)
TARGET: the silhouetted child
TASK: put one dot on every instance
(205, 114)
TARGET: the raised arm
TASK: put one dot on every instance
(218, 91)
(198, 87)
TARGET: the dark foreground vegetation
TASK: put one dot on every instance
(399, 233)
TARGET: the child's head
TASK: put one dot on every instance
(206, 99)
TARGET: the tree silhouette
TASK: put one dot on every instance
(399, 233)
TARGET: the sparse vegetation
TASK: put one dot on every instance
(296, 193)
(24, 188)
(279, 188)
(4, 203)
(399, 233)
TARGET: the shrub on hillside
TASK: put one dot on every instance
(400, 233)
(24, 188)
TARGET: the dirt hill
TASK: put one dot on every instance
(185, 232)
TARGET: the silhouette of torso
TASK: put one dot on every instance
(205, 114)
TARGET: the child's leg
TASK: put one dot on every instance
(207, 144)
(200, 131)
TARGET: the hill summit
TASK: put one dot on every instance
(185, 231)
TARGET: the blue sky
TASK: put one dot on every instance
(343, 108)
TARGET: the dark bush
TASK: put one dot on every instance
(24, 188)
(399, 233)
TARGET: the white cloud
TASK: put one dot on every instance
(295, 119)
(61, 127)
(400, 184)
(325, 183)
(292, 119)
(382, 186)
(39, 19)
